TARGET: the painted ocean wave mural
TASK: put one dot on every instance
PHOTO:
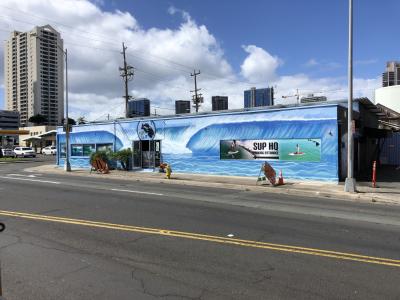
(187, 163)
(207, 140)
(192, 144)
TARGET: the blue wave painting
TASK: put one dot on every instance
(191, 143)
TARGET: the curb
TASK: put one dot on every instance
(242, 187)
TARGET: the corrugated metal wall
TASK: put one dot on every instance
(390, 154)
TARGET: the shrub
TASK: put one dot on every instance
(103, 155)
(123, 156)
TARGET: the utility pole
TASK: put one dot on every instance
(127, 73)
(350, 183)
(197, 99)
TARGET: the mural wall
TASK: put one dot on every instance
(306, 139)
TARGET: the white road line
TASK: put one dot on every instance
(34, 180)
(22, 175)
(138, 192)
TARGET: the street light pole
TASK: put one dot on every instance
(350, 184)
(67, 165)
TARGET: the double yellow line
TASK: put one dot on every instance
(210, 238)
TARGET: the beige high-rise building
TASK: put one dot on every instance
(34, 74)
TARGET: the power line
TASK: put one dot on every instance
(137, 56)
(235, 81)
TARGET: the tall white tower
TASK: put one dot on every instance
(34, 74)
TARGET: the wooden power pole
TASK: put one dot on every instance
(197, 98)
(127, 73)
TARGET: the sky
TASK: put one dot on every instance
(236, 45)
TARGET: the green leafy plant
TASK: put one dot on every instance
(102, 155)
(123, 156)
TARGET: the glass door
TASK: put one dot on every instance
(157, 153)
(137, 154)
(147, 154)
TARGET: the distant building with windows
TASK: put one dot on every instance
(34, 74)
(139, 108)
(389, 94)
(311, 98)
(9, 120)
(219, 103)
(259, 97)
(391, 76)
(182, 107)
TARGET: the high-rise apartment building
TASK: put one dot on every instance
(219, 103)
(139, 108)
(391, 76)
(33, 74)
(259, 97)
(182, 107)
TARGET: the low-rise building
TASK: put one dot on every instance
(9, 121)
(308, 141)
(39, 137)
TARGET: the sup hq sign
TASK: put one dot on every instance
(279, 149)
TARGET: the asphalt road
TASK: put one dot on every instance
(92, 238)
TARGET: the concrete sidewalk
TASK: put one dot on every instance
(388, 194)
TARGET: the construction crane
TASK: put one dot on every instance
(297, 95)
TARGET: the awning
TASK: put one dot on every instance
(31, 138)
(48, 133)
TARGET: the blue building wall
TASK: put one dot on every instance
(191, 144)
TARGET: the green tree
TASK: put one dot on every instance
(81, 120)
(70, 121)
(38, 119)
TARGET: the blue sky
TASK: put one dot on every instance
(237, 44)
(297, 31)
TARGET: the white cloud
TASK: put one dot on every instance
(163, 58)
(172, 10)
(312, 62)
(323, 65)
(259, 65)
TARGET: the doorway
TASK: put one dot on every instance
(146, 154)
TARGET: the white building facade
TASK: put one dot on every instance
(34, 74)
(389, 96)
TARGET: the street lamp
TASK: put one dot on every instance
(350, 184)
(67, 165)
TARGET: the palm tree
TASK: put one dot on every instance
(81, 120)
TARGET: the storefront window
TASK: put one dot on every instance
(82, 149)
(76, 150)
(88, 149)
(63, 150)
(104, 147)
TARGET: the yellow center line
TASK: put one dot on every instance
(210, 238)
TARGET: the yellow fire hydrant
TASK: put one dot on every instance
(168, 171)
